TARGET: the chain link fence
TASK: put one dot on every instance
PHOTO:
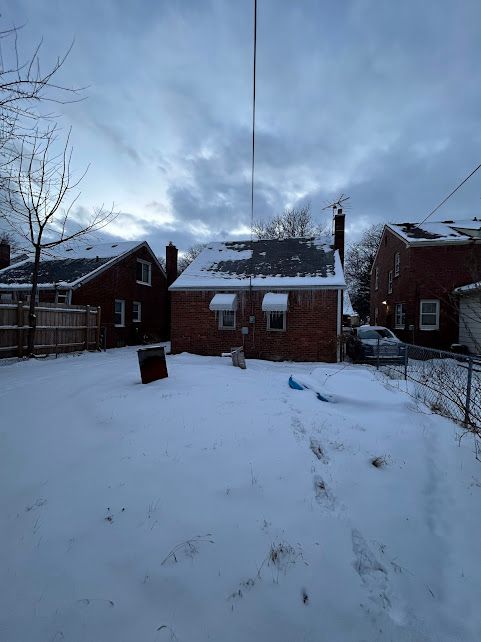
(448, 383)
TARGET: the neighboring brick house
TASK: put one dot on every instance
(280, 299)
(124, 278)
(414, 275)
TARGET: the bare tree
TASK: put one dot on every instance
(38, 200)
(189, 255)
(292, 223)
(359, 260)
(24, 88)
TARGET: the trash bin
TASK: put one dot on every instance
(152, 364)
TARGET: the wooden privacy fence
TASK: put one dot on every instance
(60, 328)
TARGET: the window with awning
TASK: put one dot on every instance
(223, 302)
(274, 305)
(274, 302)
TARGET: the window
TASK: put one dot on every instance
(136, 312)
(28, 297)
(144, 272)
(400, 316)
(61, 296)
(6, 297)
(389, 282)
(276, 321)
(429, 314)
(397, 264)
(227, 319)
(119, 313)
(376, 278)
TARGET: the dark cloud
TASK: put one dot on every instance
(377, 100)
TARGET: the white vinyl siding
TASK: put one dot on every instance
(470, 322)
(429, 314)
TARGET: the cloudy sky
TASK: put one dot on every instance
(380, 100)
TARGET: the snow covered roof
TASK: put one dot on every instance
(223, 302)
(288, 263)
(431, 233)
(274, 302)
(66, 266)
(468, 289)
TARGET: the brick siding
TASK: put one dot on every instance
(120, 282)
(311, 326)
(427, 272)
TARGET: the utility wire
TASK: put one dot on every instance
(253, 119)
(449, 195)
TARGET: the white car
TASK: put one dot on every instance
(371, 342)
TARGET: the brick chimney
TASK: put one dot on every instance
(4, 255)
(338, 223)
(171, 253)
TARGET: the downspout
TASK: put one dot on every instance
(339, 321)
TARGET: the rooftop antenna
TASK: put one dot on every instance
(337, 205)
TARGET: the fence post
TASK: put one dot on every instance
(87, 326)
(406, 359)
(20, 328)
(98, 327)
(377, 360)
(468, 391)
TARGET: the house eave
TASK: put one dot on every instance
(271, 288)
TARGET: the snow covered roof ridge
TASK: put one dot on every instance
(434, 232)
(69, 266)
(287, 263)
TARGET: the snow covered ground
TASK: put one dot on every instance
(220, 504)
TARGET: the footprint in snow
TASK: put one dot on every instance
(298, 428)
(318, 451)
(372, 573)
(324, 496)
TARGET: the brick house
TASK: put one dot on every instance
(414, 275)
(124, 278)
(280, 299)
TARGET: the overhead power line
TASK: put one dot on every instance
(253, 119)
(449, 195)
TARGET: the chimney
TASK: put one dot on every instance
(171, 253)
(338, 222)
(4, 255)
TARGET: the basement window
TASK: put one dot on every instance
(429, 314)
(119, 313)
(144, 272)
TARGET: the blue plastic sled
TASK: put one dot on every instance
(298, 386)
